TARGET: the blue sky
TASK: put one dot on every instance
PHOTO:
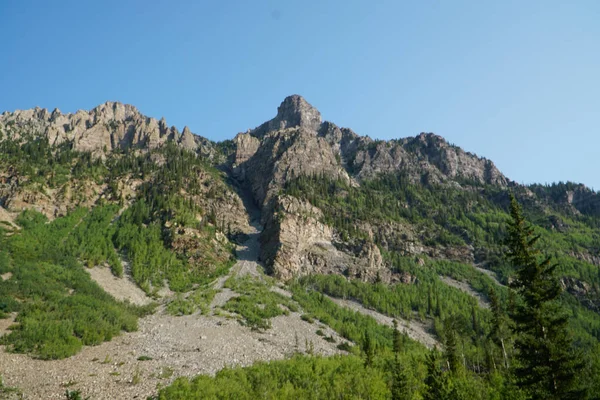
(514, 81)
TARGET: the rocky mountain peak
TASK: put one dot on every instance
(114, 110)
(294, 111)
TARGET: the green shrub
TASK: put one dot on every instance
(256, 303)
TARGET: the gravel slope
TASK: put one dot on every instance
(179, 346)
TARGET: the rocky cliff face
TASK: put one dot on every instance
(425, 156)
(282, 155)
(295, 242)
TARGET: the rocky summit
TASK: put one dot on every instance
(294, 237)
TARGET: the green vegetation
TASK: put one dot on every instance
(163, 233)
(372, 370)
(198, 299)
(149, 229)
(59, 307)
(91, 240)
(73, 395)
(446, 216)
(349, 324)
(7, 391)
(299, 378)
(45, 165)
(528, 344)
(548, 365)
(256, 302)
(444, 306)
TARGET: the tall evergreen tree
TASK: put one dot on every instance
(548, 365)
(451, 348)
(500, 331)
(400, 389)
(397, 340)
(435, 380)
(368, 349)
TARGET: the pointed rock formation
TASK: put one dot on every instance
(187, 140)
(294, 112)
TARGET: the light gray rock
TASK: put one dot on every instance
(105, 128)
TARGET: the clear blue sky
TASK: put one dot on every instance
(514, 81)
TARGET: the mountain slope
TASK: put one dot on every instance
(396, 226)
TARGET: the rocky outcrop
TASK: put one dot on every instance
(187, 140)
(425, 157)
(281, 156)
(246, 146)
(452, 161)
(295, 243)
(17, 194)
(105, 128)
(582, 291)
(567, 197)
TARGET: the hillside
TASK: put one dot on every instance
(351, 233)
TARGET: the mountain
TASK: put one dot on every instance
(296, 143)
(395, 225)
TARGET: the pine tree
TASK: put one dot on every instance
(548, 366)
(474, 320)
(399, 388)
(435, 380)
(368, 349)
(429, 302)
(451, 350)
(499, 332)
(397, 340)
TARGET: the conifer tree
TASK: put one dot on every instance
(429, 302)
(400, 390)
(435, 380)
(548, 366)
(451, 350)
(474, 320)
(397, 340)
(499, 332)
(368, 349)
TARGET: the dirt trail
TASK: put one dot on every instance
(414, 329)
(247, 264)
